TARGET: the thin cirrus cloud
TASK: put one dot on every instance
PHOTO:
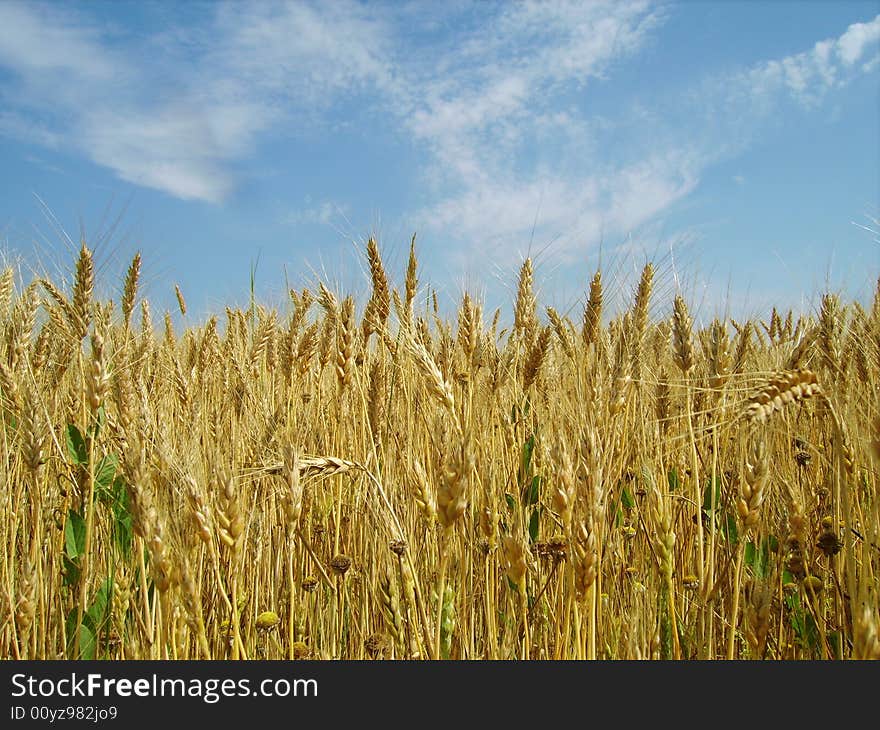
(167, 125)
(672, 144)
(499, 110)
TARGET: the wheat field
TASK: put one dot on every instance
(318, 482)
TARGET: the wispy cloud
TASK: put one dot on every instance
(171, 125)
(481, 129)
(502, 112)
(324, 213)
(809, 75)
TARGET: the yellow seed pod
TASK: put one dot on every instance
(814, 583)
(267, 620)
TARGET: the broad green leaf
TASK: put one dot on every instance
(729, 529)
(835, 639)
(97, 612)
(104, 474)
(70, 571)
(751, 555)
(528, 449)
(511, 502)
(532, 492)
(74, 535)
(759, 558)
(86, 643)
(673, 480)
(627, 499)
(811, 636)
(707, 495)
(533, 525)
(80, 640)
(76, 446)
(122, 520)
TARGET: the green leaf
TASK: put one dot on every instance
(751, 556)
(533, 525)
(528, 449)
(98, 611)
(69, 571)
(835, 639)
(74, 535)
(759, 558)
(86, 643)
(811, 636)
(122, 520)
(511, 501)
(532, 492)
(104, 474)
(100, 420)
(627, 499)
(672, 477)
(76, 446)
(707, 495)
(81, 642)
(729, 529)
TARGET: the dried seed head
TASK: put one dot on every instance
(377, 644)
(398, 547)
(340, 564)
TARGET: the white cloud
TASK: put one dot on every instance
(500, 109)
(504, 147)
(36, 39)
(809, 75)
(574, 212)
(323, 213)
(479, 119)
(298, 48)
(173, 111)
(852, 44)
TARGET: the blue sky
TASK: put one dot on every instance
(736, 143)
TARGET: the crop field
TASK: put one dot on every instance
(325, 480)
